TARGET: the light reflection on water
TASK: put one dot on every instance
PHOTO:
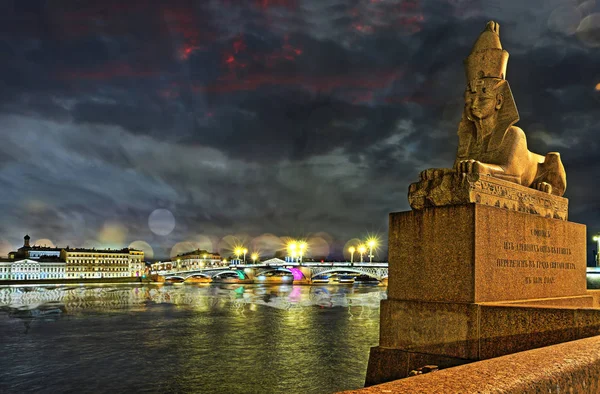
(186, 338)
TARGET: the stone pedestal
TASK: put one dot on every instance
(471, 282)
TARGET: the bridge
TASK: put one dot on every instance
(304, 271)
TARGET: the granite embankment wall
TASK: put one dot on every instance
(42, 282)
(570, 367)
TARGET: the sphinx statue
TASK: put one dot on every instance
(489, 143)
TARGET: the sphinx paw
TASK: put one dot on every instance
(469, 167)
(543, 187)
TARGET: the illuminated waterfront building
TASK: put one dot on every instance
(196, 259)
(34, 252)
(103, 263)
(28, 269)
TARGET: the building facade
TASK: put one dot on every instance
(30, 269)
(103, 263)
(196, 259)
(34, 252)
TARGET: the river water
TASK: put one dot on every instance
(186, 338)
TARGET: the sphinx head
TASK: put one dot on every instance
(488, 93)
(484, 97)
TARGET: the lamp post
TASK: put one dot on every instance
(245, 251)
(361, 249)
(371, 243)
(351, 249)
(597, 239)
(254, 257)
(291, 247)
(238, 252)
(302, 246)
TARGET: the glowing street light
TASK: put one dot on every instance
(597, 239)
(352, 249)
(362, 249)
(371, 243)
(302, 246)
(238, 251)
(254, 257)
(245, 251)
(291, 248)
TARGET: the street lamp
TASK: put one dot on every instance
(597, 239)
(352, 249)
(291, 247)
(371, 243)
(238, 252)
(245, 251)
(254, 257)
(302, 246)
(361, 249)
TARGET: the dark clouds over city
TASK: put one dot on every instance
(300, 118)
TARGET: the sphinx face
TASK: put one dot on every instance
(482, 98)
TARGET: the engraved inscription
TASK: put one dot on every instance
(539, 272)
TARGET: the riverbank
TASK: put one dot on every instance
(75, 281)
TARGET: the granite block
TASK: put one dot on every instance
(387, 364)
(478, 253)
(431, 255)
(510, 329)
(521, 256)
(448, 329)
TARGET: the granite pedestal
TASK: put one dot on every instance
(470, 282)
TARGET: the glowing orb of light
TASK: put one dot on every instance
(5, 248)
(161, 221)
(319, 247)
(144, 247)
(353, 243)
(597, 87)
(182, 248)
(267, 244)
(44, 242)
(113, 233)
(565, 19)
(588, 30)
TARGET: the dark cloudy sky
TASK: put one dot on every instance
(301, 118)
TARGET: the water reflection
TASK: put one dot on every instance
(306, 339)
(111, 298)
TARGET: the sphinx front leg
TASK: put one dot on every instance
(543, 187)
(471, 166)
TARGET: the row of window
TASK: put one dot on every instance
(29, 276)
(112, 256)
(122, 261)
(94, 275)
(71, 269)
(32, 268)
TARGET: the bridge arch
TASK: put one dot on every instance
(176, 277)
(345, 270)
(239, 273)
(295, 272)
(202, 274)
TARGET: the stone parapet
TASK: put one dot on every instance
(448, 187)
(571, 367)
